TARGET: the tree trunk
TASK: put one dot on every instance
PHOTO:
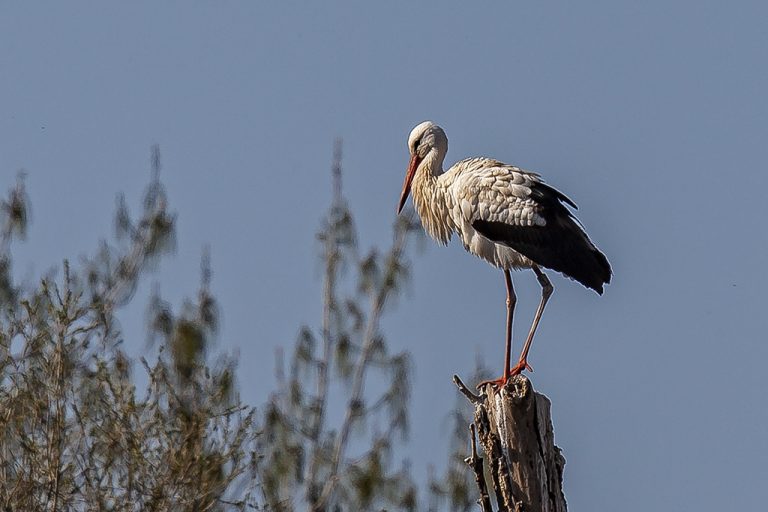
(514, 427)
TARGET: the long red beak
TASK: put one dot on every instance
(412, 166)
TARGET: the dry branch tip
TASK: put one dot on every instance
(475, 399)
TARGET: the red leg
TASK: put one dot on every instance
(546, 292)
(511, 301)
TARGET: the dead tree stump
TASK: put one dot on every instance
(514, 427)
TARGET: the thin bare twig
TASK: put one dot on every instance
(473, 398)
(329, 298)
(476, 463)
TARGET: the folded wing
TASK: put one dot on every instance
(515, 208)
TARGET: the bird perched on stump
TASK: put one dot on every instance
(505, 215)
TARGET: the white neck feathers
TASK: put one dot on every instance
(430, 197)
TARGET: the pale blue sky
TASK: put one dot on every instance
(652, 116)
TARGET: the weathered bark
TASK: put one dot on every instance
(514, 427)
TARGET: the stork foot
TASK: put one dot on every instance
(519, 367)
(502, 381)
(499, 383)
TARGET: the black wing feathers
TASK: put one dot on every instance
(560, 245)
(548, 196)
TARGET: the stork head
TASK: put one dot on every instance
(426, 140)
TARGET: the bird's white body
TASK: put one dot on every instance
(476, 188)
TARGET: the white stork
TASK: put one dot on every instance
(505, 215)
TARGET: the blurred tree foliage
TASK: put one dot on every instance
(75, 434)
(328, 438)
